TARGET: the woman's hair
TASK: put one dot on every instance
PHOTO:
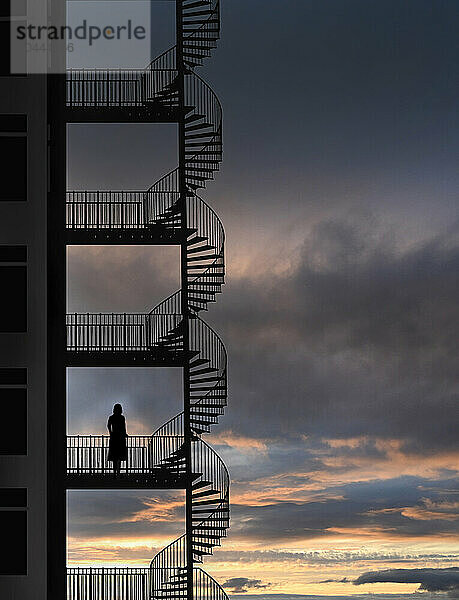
(117, 409)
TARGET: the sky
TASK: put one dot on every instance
(338, 193)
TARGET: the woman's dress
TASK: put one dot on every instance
(117, 449)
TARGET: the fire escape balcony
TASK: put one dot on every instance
(121, 339)
(131, 583)
(102, 583)
(153, 462)
(122, 217)
(121, 95)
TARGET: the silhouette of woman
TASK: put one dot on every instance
(117, 449)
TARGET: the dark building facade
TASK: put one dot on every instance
(23, 325)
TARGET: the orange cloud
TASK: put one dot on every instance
(157, 510)
(430, 511)
(239, 442)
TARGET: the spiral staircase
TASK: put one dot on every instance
(207, 373)
(172, 211)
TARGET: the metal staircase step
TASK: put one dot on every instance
(175, 583)
(196, 136)
(220, 395)
(200, 430)
(203, 145)
(200, 300)
(210, 528)
(202, 38)
(200, 484)
(205, 414)
(196, 3)
(202, 153)
(200, 22)
(210, 292)
(207, 502)
(193, 117)
(202, 545)
(208, 405)
(205, 493)
(207, 397)
(200, 422)
(206, 379)
(197, 177)
(196, 240)
(204, 371)
(200, 169)
(219, 275)
(201, 553)
(199, 361)
(195, 54)
(205, 283)
(208, 47)
(198, 13)
(200, 249)
(206, 389)
(211, 516)
(210, 512)
(196, 127)
(191, 259)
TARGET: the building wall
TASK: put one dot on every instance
(23, 222)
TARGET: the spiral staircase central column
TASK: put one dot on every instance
(184, 295)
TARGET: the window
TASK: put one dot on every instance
(13, 525)
(11, 10)
(13, 405)
(13, 149)
(13, 281)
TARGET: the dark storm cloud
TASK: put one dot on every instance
(331, 104)
(359, 336)
(432, 580)
(381, 506)
(243, 584)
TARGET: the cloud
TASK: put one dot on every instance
(373, 508)
(243, 584)
(428, 511)
(325, 557)
(115, 515)
(106, 553)
(432, 580)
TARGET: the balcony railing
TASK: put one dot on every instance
(116, 209)
(108, 584)
(88, 454)
(102, 210)
(119, 332)
(108, 88)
